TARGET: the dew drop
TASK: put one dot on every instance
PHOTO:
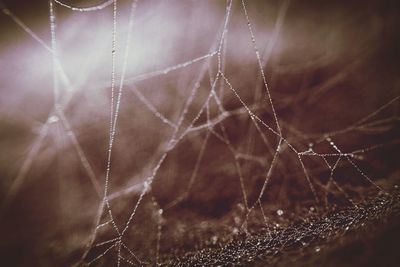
(52, 119)
(317, 249)
(279, 212)
(146, 186)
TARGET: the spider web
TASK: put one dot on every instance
(222, 164)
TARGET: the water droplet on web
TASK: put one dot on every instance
(279, 212)
(52, 119)
(317, 249)
(396, 186)
(146, 186)
(160, 211)
(347, 228)
(279, 148)
(235, 231)
(214, 239)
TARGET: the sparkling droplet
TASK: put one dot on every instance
(146, 186)
(52, 119)
(160, 211)
(278, 149)
(317, 249)
(214, 239)
(279, 212)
